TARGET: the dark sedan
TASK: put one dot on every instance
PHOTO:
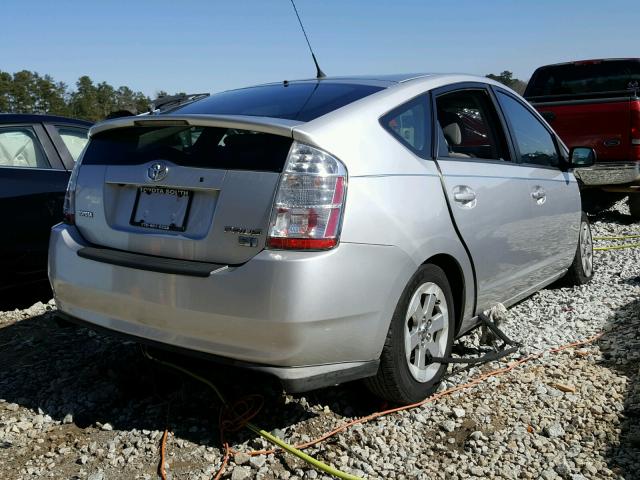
(37, 154)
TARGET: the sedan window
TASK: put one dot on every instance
(469, 126)
(74, 139)
(19, 147)
(409, 124)
(533, 140)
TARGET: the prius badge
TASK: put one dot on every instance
(157, 171)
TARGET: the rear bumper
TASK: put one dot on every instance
(310, 318)
(602, 174)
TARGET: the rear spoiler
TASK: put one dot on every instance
(275, 126)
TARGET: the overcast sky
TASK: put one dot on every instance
(212, 45)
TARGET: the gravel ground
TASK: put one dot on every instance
(75, 404)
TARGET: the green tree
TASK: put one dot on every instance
(506, 78)
(28, 92)
(84, 101)
(106, 101)
(23, 92)
(5, 91)
(50, 96)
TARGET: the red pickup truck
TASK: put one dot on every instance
(595, 103)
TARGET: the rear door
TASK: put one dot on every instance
(33, 182)
(488, 195)
(178, 190)
(555, 197)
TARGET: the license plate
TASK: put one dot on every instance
(161, 208)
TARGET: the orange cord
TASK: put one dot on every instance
(241, 412)
(477, 380)
(225, 460)
(163, 452)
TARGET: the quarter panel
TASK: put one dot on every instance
(408, 212)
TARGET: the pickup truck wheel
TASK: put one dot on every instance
(581, 270)
(634, 206)
(422, 326)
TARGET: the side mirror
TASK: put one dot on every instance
(582, 157)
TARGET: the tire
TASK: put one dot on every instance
(403, 378)
(634, 206)
(581, 270)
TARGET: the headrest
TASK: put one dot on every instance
(453, 134)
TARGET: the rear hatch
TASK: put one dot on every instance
(590, 104)
(184, 188)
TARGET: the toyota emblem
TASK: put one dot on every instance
(157, 171)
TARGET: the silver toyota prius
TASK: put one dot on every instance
(321, 230)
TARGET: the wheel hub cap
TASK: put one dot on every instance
(586, 249)
(426, 330)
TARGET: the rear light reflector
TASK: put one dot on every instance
(307, 212)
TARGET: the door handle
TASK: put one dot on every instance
(539, 195)
(464, 196)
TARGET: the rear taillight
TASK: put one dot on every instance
(635, 130)
(69, 205)
(307, 212)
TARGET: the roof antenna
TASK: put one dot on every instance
(319, 73)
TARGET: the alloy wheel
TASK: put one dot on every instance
(425, 330)
(586, 249)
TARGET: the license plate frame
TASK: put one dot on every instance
(162, 194)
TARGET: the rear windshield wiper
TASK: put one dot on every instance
(171, 102)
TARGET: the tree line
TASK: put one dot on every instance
(507, 79)
(30, 92)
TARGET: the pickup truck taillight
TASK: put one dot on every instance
(635, 130)
(307, 211)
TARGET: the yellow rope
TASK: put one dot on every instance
(618, 247)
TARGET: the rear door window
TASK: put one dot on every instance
(409, 123)
(20, 147)
(534, 142)
(469, 126)
(204, 147)
(75, 139)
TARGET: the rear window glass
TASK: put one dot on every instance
(585, 78)
(294, 101)
(204, 147)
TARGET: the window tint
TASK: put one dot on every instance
(74, 139)
(533, 140)
(203, 147)
(409, 123)
(469, 126)
(293, 101)
(19, 147)
(582, 78)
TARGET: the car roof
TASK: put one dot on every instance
(39, 118)
(383, 80)
(591, 60)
